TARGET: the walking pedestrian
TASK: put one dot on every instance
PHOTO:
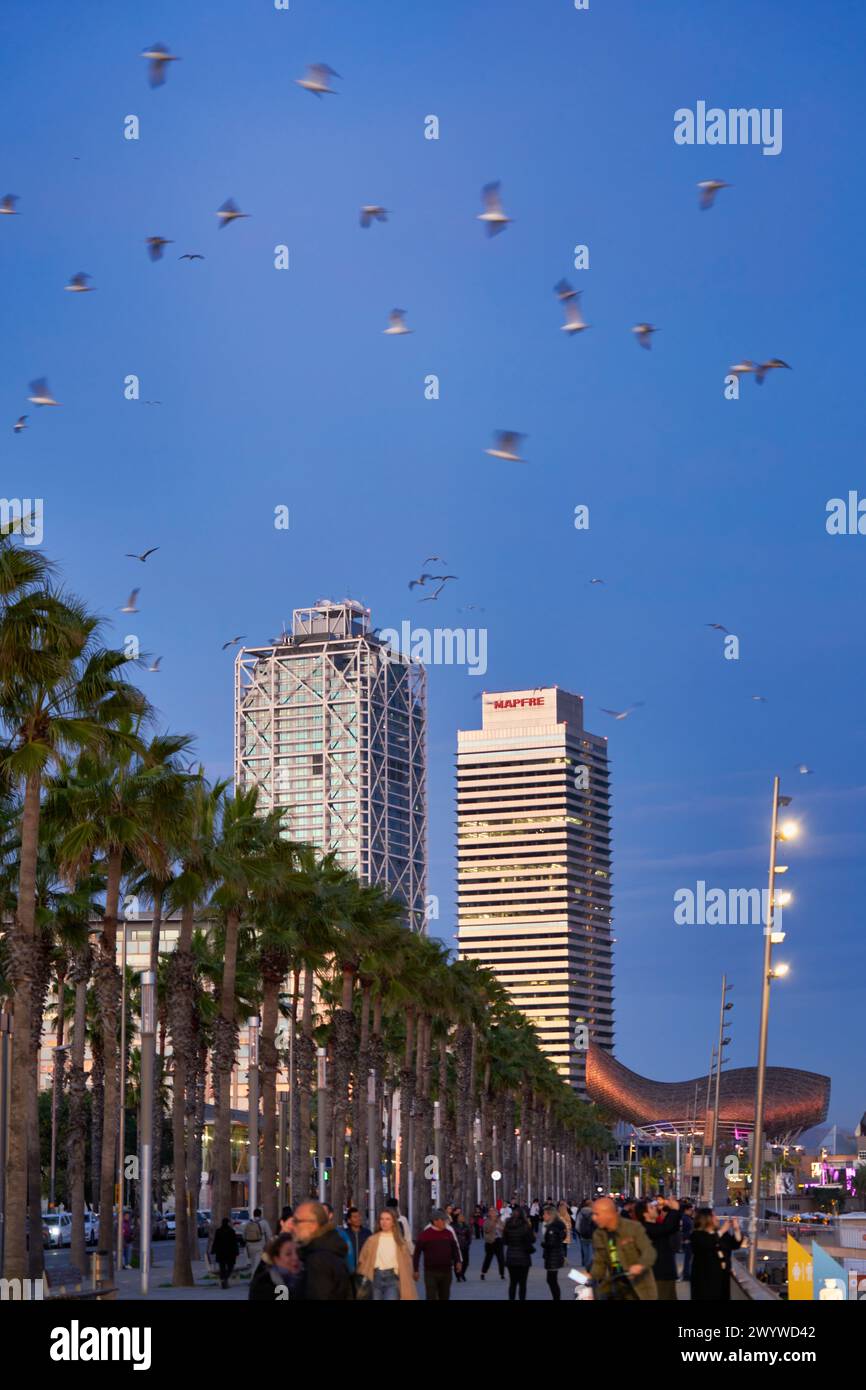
(393, 1205)
(519, 1242)
(437, 1244)
(493, 1226)
(688, 1224)
(565, 1218)
(462, 1231)
(585, 1231)
(286, 1223)
(623, 1256)
(478, 1223)
(355, 1234)
(257, 1232)
(277, 1272)
(535, 1214)
(324, 1272)
(127, 1240)
(712, 1244)
(225, 1251)
(553, 1250)
(662, 1221)
(385, 1264)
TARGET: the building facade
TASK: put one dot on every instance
(534, 866)
(331, 727)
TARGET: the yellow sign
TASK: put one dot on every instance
(799, 1271)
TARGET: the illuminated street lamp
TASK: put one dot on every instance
(784, 831)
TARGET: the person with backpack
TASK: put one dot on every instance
(257, 1232)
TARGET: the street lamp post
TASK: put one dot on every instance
(725, 1007)
(374, 1143)
(766, 979)
(148, 1053)
(253, 1112)
(321, 1117)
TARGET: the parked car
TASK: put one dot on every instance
(57, 1229)
(91, 1228)
(158, 1226)
(170, 1224)
(203, 1227)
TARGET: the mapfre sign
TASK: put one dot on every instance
(523, 702)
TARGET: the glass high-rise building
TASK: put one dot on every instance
(331, 727)
(534, 866)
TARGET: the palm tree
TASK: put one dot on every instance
(59, 690)
(241, 865)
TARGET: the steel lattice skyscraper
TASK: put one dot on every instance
(534, 866)
(331, 727)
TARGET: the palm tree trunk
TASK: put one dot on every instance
(294, 1095)
(77, 1131)
(344, 1055)
(225, 1051)
(40, 985)
(22, 970)
(269, 1065)
(407, 1097)
(360, 1143)
(181, 996)
(108, 1000)
(306, 1062)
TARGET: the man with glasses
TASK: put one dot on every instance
(325, 1274)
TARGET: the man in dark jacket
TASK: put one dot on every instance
(438, 1244)
(662, 1220)
(354, 1233)
(324, 1272)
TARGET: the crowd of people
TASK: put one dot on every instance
(626, 1249)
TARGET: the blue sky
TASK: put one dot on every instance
(279, 388)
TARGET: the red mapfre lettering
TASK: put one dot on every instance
(515, 704)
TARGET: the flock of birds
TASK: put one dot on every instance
(507, 444)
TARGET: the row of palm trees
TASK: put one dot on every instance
(97, 810)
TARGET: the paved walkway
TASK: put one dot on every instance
(491, 1290)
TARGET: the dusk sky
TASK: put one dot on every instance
(277, 388)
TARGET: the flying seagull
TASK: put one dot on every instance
(719, 627)
(431, 598)
(155, 666)
(396, 322)
(574, 320)
(419, 583)
(40, 393)
(229, 212)
(622, 713)
(739, 368)
(155, 245)
(78, 283)
(434, 560)
(131, 556)
(8, 205)
(708, 190)
(563, 290)
(644, 332)
(191, 256)
(234, 641)
(445, 577)
(129, 606)
(315, 80)
(806, 771)
(371, 212)
(19, 424)
(597, 581)
(761, 699)
(493, 216)
(768, 366)
(159, 59)
(506, 444)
